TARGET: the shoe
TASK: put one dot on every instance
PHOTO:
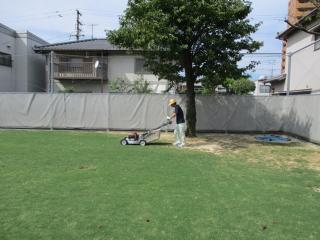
(176, 144)
(181, 145)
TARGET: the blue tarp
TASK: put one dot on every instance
(273, 139)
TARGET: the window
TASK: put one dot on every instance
(317, 44)
(264, 89)
(140, 67)
(5, 59)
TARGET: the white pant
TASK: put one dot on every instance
(180, 134)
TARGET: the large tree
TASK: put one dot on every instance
(187, 41)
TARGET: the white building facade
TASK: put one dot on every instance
(21, 69)
(303, 71)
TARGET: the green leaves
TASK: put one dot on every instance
(242, 86)
(189, 41)
(212, 32)
(123, 85)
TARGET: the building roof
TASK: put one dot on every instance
(274, 79)
(302, 21)
(6, 30)
(24, 34)
(83, 45)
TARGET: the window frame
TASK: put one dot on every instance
(264, 89)
(143, 70)
(317, 44)
(5, 62)
(317, 38)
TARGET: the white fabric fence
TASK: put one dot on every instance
(299, 115)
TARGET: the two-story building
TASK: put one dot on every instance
(21, 69)
(88, 66)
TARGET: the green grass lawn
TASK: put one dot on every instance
(78, 185)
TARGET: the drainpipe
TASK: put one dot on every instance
(51, 72)
(289, 73)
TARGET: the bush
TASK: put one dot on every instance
(123, 85)
(120, 85)
(243, 86)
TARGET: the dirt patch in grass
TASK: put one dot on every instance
(316, 189)
(314, 160)
(86, 168)
(295, 154)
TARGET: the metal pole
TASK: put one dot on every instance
(51, 87)
(289, 73)
(101, 72)
(92, 31)
(51, 72)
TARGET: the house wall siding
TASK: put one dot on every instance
(305, 70)
(36, 67)
(27, 73)
(278, 86)
(7, 45)
(123, 66)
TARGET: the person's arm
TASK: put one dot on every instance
(174, 114)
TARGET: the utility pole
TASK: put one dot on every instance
(78, 26)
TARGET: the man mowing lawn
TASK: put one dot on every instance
(180, 126)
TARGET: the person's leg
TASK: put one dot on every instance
(177, 135)
(182, 136)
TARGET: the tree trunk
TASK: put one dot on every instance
(191, 115)
(191, 110)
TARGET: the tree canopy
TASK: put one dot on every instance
(242, 86)
(189, 41)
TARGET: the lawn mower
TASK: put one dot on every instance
(144, 138)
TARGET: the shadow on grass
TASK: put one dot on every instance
(228, 142)
(160, 144)
(288, 144)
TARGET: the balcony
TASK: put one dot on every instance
(304, 6)
(79, 69)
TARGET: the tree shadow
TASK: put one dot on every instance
(253, 115)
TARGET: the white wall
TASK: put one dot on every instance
(299, 115)
(305, 68)
(123, 66)
(21, 66)
(7, 45)
(36, 66)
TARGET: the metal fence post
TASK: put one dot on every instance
(51, 89)
(108, 112)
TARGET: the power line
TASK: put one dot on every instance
(36, 17)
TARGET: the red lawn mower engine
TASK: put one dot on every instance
(133, 136)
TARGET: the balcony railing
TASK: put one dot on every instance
(78, 70)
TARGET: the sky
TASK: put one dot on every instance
(54, 21)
